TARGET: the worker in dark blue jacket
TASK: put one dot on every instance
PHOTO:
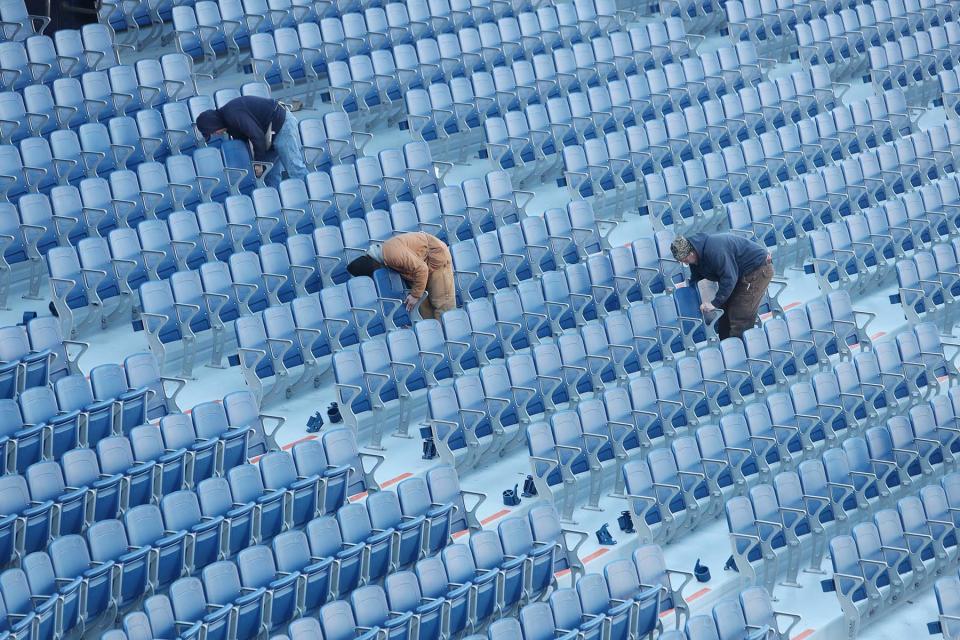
(267, 127)
(741, 268)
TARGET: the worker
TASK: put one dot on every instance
(269, 129)
(424, 263)
(741, 268)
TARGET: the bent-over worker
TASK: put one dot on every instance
(741, 268)
(424, 263)
(269, 129)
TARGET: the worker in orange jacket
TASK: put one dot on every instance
(424, 263)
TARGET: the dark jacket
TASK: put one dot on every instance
(247, 118)
(724, 258)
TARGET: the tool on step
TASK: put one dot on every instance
(701, 572)
(529, 488)
(604, 537)
(625, 521)
(429, 449)
(510, 497)
(314, 423)
(333, 413)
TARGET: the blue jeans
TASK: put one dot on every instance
(286, 153)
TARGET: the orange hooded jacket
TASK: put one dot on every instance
(414, 256)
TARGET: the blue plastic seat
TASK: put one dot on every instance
(459, 563)
(27, 525)
(403, 595)
(211, 424)
(181, 513)
(26, 616)
(415, 501)
(71, 561)
(517, 539)
(142, 480)
(108, 543)
(433, 583)
(81, 469)
(142, 372)
(371, 609)
(190, 605)
(595, 600)
(72, 506)
(74, 394)
(200, 459)
(279, 473)
(355, 528)
(216, 501)
(221, 582)
(147, 444)
(39, 407)
(489, 555)
(258, 571)
(47, 589)
(383, 508)
(338, 623)
(325, 541)
(293, 555)
(870, 480)
(109, 383)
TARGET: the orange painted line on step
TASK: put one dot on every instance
(392, 481)
(806, 633)
(497, 515)
(291, 445)
(593, 556)
(587, 558)
(696, 595)
(386, 483)
(487, 520)
(878, 334)
(787, 307)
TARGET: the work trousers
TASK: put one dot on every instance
(740, 309)
(441, 294)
